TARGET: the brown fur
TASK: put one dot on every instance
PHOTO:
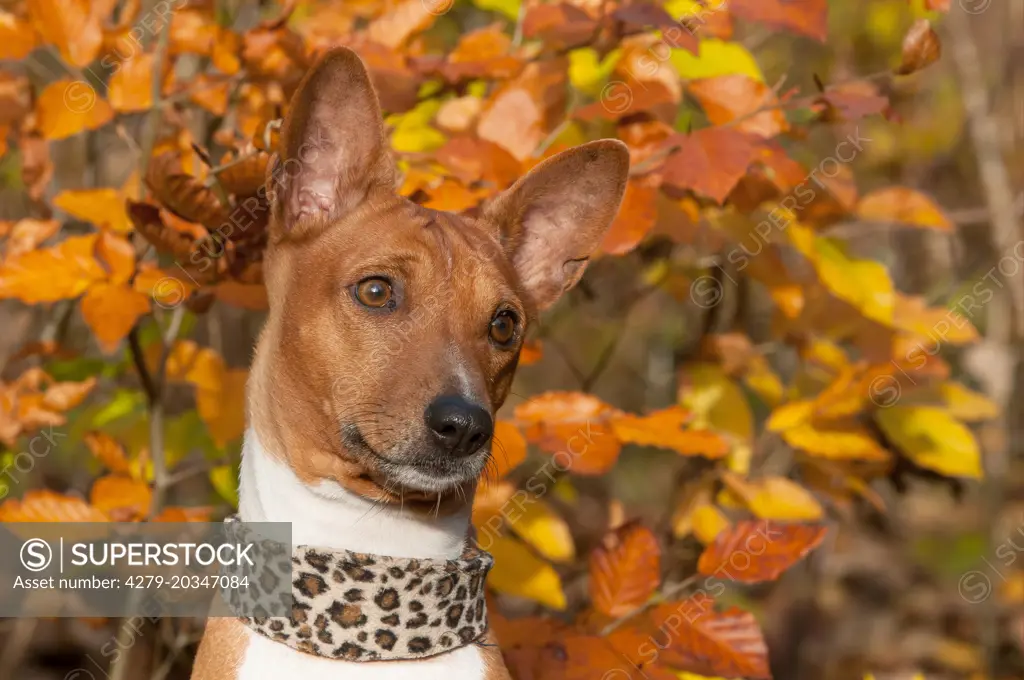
(325, 366)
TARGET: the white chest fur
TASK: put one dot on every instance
(333, 517)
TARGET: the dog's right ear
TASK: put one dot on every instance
(333, 151)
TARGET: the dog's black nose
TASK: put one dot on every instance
(461, 428)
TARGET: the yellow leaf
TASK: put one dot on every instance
(413, 132)
(708, 521)
(59, 273)
(103, 207)
(716, 58)
(790, 415)
(131, 87)
(535, 522)
(967, 405)
(223, 407)
(587, 71)
(225, 483)
(111, 310)
(66, 108)
(836, 441)
(933, 439)
(776, 498)
(517, 571)
(763, 381)
(510, 8)
(715, 400)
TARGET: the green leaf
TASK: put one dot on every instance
(225, 481)
(587, 72)
(412, 130)
(716, 58)
(933, 439)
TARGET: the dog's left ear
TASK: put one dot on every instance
(555, 217)
(333, 150)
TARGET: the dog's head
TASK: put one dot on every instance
(395, 330)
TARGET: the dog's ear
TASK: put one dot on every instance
(554, 217)
(333, 150)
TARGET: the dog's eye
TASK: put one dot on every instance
(374, 293)
(503, 327)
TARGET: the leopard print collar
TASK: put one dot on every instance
(359, 607)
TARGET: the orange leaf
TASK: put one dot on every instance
(121, 496)
(921, 48)
(731, 97)
(809, 17)
(758, 550)
(508, 448)
(17, 37)
(108, 451)
(403, 21)
(245, 295)
(59, 273)
(635, 219)
(49, 506)
(131, 87)
(111, 310)
(903, 205)
(177, 514)
(71, 25)
(573, 428)
(27, 234)
(66, 108)
(727, 644)
(166, 290)
(625, 570)
(709, 161)
(222, 407)
(103, 207)
(189, 362)
(664, 429)
(531, 352)
(118, 255)
(63, 396)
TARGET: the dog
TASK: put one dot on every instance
(392, 338)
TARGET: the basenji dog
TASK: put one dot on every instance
(392, 338)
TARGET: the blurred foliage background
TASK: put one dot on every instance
(852, 361)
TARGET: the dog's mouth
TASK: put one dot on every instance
(412, 468)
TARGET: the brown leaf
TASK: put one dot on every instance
(560, 26)
(63, 396)
(731, 97)
(709, 161)
(905, 206)
(921, 48)
(758, 550)
(625, 570)
(852, 101)
(183, 194)
(808, 17)
(526, 109)
(703, 641)
(244, 177)
(402, 21)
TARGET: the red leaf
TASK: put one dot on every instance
(759, 550)
(700, 640)
(709, 161)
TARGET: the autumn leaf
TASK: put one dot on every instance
(709, 161)
(716, 58)
(108, 451)
(120, 496)
(403, 20)
(183, 194)
(921, 48)
(625, 570)
(716, 401)
(932, 438)
(636, 217)
(59, 273)
(131, 87)
(664, 429)
(111, 310)
(903, 206)
(189, 362)
(71, 25)
(66, 108)
(740, 98)
(508, 448)
(705, 641)
(222, 406)
(775, 498)
(103, 207)
(807, 17)
(539, 525)
(517, 571)
(573, 428)
(49, 506)
(835, 440)
(17, 37)
(26, 235)
(755, 551)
